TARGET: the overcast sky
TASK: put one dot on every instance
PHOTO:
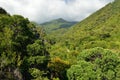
(45, 10)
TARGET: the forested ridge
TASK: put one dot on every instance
(56, 25)
(89, 50)
(56, 28)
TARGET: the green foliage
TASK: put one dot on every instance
(82, 72)
(37, 74)
(58, 68)
(21, 47)
(36, 48)
(95, 64)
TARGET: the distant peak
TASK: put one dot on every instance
(60, 20)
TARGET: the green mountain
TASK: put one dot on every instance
(101, 29)
(57, 24)
(98, 30)
(91, 45)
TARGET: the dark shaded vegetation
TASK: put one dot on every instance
(22, 48)
(2, 11)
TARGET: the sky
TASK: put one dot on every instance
(45, 10)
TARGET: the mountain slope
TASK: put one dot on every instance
(56, 25)
(101, 29)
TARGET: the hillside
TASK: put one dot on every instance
(90, 45)
(98, 30)
(101, 29)
(57, 24)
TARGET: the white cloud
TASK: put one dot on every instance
(45, 10)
